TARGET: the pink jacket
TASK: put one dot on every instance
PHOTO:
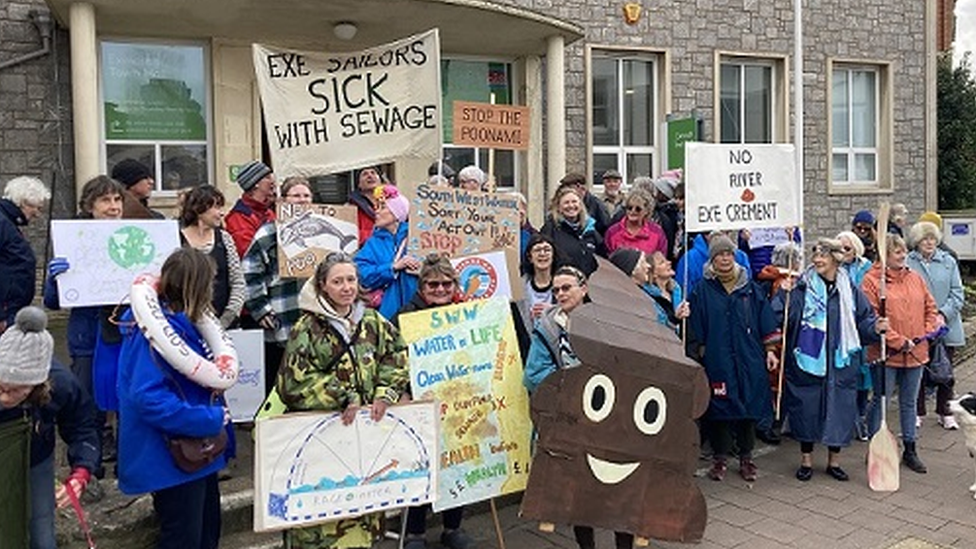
(650, 238)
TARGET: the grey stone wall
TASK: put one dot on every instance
(872, 30)
(35, 113)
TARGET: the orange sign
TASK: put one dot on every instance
(491, 126)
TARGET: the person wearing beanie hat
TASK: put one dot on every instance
(255, 207)
(936, 219)
(34, 386)
(139, 185)
(732, 333)
(863, 226)
(628, 260)
(367, 179)
(386, 270)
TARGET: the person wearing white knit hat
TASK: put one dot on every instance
(36, 388)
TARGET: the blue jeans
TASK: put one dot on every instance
(42, 505)
(908, 381)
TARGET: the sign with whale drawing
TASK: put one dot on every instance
(308, 232)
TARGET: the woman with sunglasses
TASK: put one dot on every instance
(829, 317)
(551, 350)
(636, 229)
(341, 357)
(438, 286)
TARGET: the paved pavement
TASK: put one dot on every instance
(930, 511)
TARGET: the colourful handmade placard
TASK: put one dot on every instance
(466, 358)
(307, 232)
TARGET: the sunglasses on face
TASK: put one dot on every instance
(635, 208)
(556, 290)
(862, 228)
(435, 284)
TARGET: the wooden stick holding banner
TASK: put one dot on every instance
(498, 524)
(786, 323)
(490, 185)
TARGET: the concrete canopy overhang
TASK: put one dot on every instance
(467, 27)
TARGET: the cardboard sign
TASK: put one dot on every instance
(491, 126)
(308, 232)
(618, 444)
(246, 396)
(107, 255)
(483, 276)
(740, 187)
(466, 357)
(457, 222)
(310, 468)
(329, 112)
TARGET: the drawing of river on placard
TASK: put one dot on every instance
(312, 468)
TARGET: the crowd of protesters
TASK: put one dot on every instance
(735, 300)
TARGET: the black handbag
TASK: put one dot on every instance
(939, 367)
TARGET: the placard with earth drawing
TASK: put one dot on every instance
(106, 256)
(308, 232)
(466, 358)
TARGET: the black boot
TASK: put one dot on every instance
(910, 459)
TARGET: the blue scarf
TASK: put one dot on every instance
(811, 340)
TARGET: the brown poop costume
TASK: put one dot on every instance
(617, 441)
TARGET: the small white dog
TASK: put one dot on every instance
(964, 408)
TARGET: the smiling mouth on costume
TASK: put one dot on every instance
(608, 472)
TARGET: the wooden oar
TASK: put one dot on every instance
(883, 472)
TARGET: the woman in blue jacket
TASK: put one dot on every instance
(385, 267)
(941, 274)
(158, 403)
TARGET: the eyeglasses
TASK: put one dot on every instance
(635, 208)
(556, 290)
(542, 250)
(435, 284)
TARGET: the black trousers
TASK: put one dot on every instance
(189, 515)
(417, 519)
(586, 538)
(722, 434)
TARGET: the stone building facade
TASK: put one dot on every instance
(554, 52)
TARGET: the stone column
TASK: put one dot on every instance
(555, 109)
(84, 92)
(535, 180)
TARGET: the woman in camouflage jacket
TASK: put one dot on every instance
(341, 356)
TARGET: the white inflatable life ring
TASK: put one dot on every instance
(220, 374)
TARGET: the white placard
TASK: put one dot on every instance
(310, 468)
(762, 237)
(483, 276)
(328, 112)
(246, 396)
(106, 256)
(740, 187)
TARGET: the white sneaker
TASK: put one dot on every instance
(948, 423)
(918, 422)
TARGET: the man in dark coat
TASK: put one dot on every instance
(732, 332)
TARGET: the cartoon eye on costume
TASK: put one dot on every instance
(598, 398)
(650, 411)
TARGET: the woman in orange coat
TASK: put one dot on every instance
(912, 313)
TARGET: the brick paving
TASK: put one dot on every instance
(932, 511)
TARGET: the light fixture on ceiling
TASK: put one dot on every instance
(345, 30)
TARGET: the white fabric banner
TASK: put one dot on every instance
(740, 186)
(328, 112)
